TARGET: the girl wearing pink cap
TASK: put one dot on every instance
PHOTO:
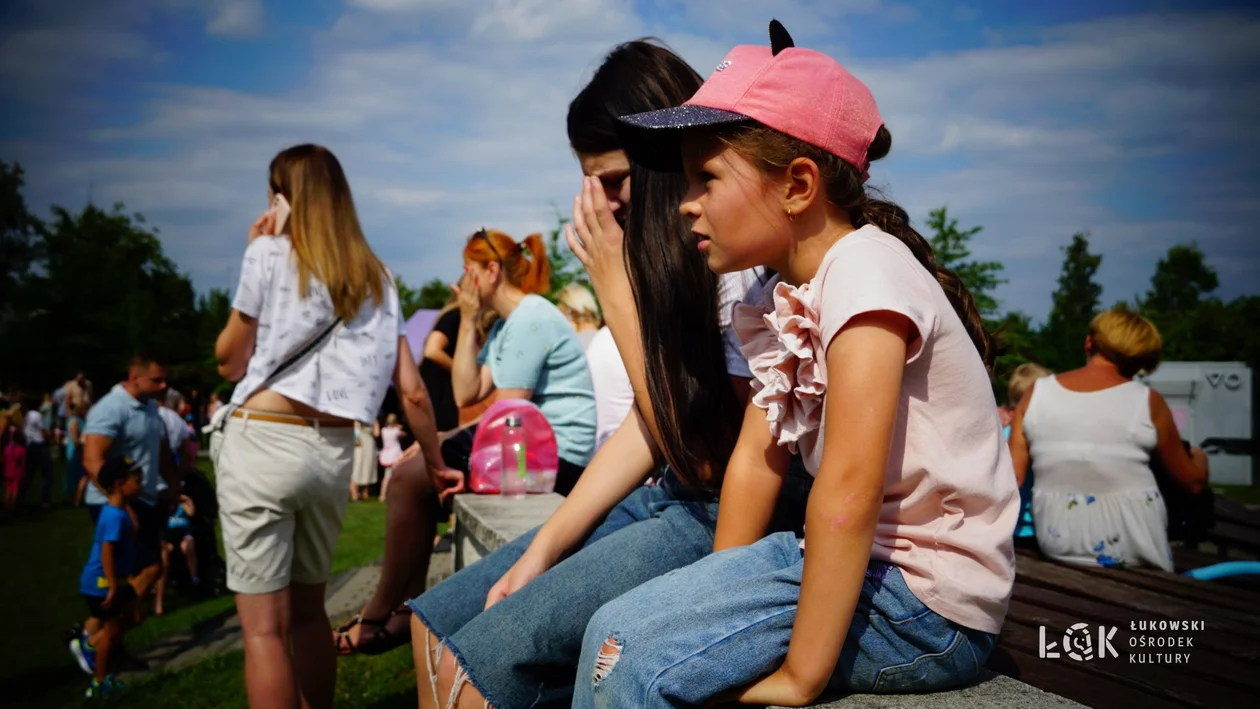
(902, 580)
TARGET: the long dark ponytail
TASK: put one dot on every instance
(847, 191)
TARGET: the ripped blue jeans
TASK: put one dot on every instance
(726, 620)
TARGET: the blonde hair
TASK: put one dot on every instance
(1022, 380)
(1127, 340)
(452, 303)
(578, 303)
(324, 230)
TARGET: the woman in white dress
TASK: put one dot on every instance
(1090, 434)
(364, 475)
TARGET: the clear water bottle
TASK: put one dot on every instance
(515, 480)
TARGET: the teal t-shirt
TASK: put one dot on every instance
(536, 348)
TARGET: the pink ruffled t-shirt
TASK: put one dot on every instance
(950, 500)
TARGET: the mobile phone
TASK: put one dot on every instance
(280, 208)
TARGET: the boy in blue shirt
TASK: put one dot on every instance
(105, 583)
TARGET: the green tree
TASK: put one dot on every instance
(17, 247)
(1075, 304)
(434, 295)
(565, 267)
(202, 373)
(1194, 325)
(1244, 330)
(1018, 344)
(99, 289)
(408, 297)
(430, 296)
(1182, 279)
(951, 246)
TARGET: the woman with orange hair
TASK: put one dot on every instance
(531, 353)
(1091, 434)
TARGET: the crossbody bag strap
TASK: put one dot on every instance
(300, 353)
(219, 420)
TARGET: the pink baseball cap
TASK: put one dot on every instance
(799, 92)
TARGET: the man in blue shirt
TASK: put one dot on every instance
(125, 422)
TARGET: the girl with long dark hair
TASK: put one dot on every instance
(507, 629)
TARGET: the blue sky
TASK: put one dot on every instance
(1133, 120)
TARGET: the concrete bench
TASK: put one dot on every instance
(484, 523)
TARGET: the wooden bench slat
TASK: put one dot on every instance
(1120, 690)
(1067, 577)
(1225, 533)
(1228, 653)
(1248, 596)
(1207, 676)
(1182, 587)
(1236, 512)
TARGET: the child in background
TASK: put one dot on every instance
(391, 449)
(902, 581)
(1021, 382)
(75, 482)
(179, 535)
(14, 448)
(105, 584)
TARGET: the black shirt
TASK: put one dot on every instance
(438, 380)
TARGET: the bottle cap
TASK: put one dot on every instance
(512, 420)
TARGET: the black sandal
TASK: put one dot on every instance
(382, 640)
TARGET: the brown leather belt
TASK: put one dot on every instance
(292, 420)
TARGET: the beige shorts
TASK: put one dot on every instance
(282, 491)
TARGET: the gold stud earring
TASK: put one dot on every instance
(791, 216)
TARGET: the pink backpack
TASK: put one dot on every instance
(486, 460)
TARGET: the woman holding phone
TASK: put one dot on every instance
(314, 339)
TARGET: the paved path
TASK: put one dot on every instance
(347, 594)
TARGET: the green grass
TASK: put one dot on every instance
(42, 554)
(218, 683)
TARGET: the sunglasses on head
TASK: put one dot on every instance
(481, 234)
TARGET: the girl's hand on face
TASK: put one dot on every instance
(595, 237)
(265, 225)
(468, 296)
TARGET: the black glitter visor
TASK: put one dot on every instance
(652, 138)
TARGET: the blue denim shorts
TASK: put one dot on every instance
(726, 620)
(523, 652)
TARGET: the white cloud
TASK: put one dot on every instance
(443, 131)
(402, 5)
(1034, 140)
(525, 20)
(236, 18)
